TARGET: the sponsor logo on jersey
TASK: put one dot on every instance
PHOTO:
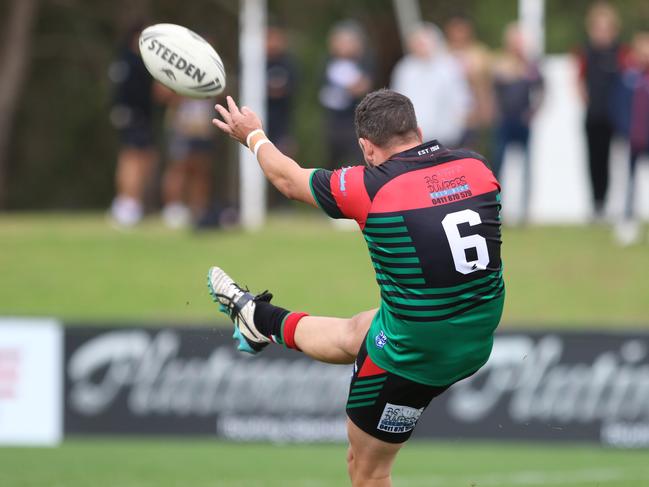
(380, 340)
(398, 419)
(448, 187)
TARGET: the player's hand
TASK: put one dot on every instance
(236, 123)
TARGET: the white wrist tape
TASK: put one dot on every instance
(252, 134)
(258, 146)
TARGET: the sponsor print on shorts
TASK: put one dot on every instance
(398, 419)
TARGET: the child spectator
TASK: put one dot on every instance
(187, 181)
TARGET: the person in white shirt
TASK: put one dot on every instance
(435, 82)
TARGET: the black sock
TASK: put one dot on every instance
(269, 318)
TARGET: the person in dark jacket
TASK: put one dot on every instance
(281, 89)
(281, 85)
(346, 79)
(132, 116)
(600, 62)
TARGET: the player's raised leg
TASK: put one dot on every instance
(257, 323)
(333, 340)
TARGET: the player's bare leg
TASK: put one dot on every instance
(369, 460)
(333, 340)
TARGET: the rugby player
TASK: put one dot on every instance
(430, 217)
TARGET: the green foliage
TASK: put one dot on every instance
(63, 148)
(565, 26)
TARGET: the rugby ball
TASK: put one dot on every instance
(182, 60)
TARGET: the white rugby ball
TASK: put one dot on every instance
(182, 60)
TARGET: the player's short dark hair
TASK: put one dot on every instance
(385, 116)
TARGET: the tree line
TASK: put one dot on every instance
(57, 147)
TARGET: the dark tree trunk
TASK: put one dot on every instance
(14, 60)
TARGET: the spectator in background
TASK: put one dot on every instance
(601, 60)
(434, 81)
(518, 88)
(132, 116)
(346, 80)
(281, 82)
(475, 60)
(281, 86)
(187, 181)
(631, 115)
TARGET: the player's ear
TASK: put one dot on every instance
(420, 135)
(368, 150)
(367, 146)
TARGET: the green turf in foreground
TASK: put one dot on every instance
(203, 463)
(77, 267)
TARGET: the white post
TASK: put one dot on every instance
(252, 93)
(408, 13)
(531, 16)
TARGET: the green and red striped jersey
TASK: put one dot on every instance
(431, 220)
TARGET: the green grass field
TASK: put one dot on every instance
(201, 463)
(79, 268)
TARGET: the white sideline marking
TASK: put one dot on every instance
(522, 478)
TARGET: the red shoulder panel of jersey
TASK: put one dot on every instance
(348, 189)
(434, 186)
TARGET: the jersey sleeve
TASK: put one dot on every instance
(341, 193)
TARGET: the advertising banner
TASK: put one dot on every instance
(563, 386)
(557, 387)
(31, 358)
(193, 381)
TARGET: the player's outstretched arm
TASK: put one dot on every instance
(283, 172)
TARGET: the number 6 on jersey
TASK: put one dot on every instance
(459, 245)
